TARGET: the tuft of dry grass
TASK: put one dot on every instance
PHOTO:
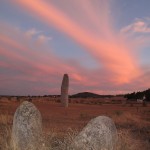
(57, 141)
(5, 132)
(133, 131)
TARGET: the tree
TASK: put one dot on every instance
(147, 95)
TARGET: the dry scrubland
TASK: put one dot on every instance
(61, 125)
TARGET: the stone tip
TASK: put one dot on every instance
(65, 74)
(25, 103)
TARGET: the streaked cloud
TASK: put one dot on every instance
(122, 69)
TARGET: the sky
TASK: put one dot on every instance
(103, 45)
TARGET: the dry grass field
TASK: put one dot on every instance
(60, 125)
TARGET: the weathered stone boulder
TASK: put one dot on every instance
(99, 134)
(27, 128)
(64, 90)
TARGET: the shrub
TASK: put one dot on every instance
(118, 112)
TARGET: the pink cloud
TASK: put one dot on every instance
(97, 14)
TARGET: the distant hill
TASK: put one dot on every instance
(89, 95)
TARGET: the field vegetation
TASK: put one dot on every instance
(61, 125)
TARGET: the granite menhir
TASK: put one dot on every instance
(64, 90)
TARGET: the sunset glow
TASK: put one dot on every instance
(100, 51)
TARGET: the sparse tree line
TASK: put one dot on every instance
(145, 95)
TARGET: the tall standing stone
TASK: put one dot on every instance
(27, 128)
(64, 90)
(99, 134)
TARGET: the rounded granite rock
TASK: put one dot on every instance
(99, 134)
(27, 127)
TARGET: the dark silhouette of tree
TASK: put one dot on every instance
(147, 95)
(130, 96)
(139, 95)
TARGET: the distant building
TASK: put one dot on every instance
(141, 100)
